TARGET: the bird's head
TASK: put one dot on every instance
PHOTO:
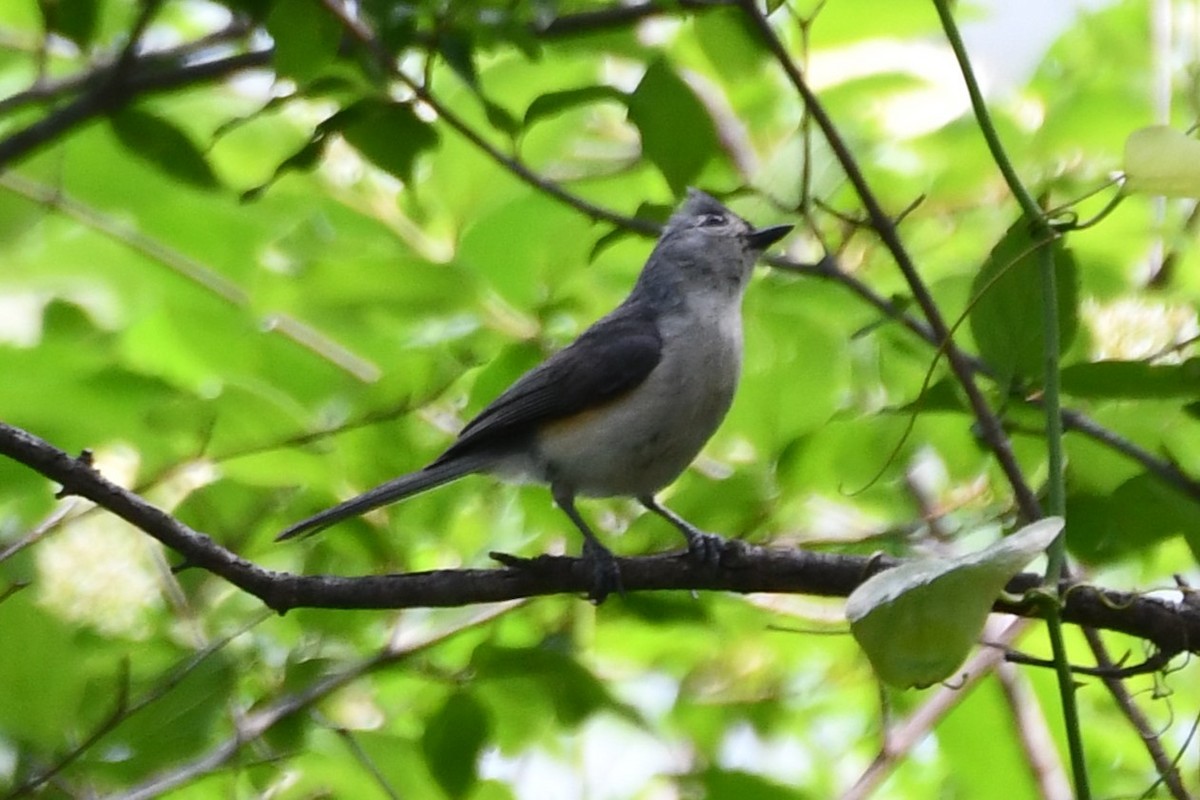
(707, 247)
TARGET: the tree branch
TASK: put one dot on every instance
(1171, 627)
(108, 91)
(360, 31)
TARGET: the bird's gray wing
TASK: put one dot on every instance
(609, 359)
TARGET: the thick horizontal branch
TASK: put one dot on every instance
(1171, 627)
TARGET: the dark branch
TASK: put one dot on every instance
(105, 95)
(1171, 627)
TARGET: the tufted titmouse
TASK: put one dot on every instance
(626, 407)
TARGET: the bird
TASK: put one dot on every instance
(625, 408)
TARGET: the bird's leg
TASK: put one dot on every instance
(606, 576)
(703, 548)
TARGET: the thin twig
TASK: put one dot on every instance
(263, 719)
(123, 709)
(193, 271)
(990, 428)
(362, 32)
(1056, 567)
(1167, 770)
(158, 61)
(1033, 734)
(902, 737)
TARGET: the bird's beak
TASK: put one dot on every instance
(763, 238)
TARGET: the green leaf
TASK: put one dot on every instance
(918, 621)
(395, 23)
(731, 44)
(677, 133)
(76, 20)
(1132, 380)
(158, 141)
(1134, 517)
(41, 696)
(389, 135)
(454, 738)
(175, 725)
(573, 692)
(554, 103)
(1006, 319)
(1163, 161)
(455, 46)
(724, 784)
(306, 38)
(303, 160)
(537, 237)
(500, 118)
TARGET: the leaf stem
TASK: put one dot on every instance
(1056, 553)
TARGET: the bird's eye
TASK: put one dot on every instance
(711, 220)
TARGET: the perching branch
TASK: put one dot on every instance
(1171, 627)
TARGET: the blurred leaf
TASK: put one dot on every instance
(677, 133)
(869, 19)
(523, 245)
(76, 20)
(303, 160)
(499, 117)
(454, 738)
(254, 9)
(1006, 319)
(41, 698)
(552, 103)
(158, 142)
(456, 47)
(730, 42)
(395, 23)
(390, 135)
(1163, 161)
(969, 729)
(1140, 513)
(522, 674)
(306, 39)
(664, 609)
(175, 725)
(726, 784)
(1132, 380)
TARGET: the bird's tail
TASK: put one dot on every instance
(434, 475)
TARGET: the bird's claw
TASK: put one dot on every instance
(606, 575)
(704, 549)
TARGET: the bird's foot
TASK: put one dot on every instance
(704, 549)
(606, 575)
